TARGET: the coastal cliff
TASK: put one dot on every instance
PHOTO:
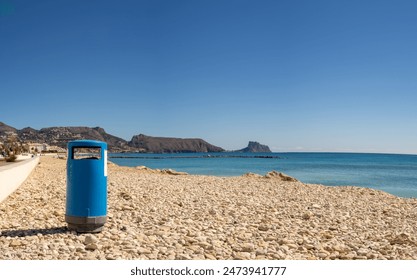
(144, 143)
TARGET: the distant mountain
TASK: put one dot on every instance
(143, 143)
(60, 136)
(4, 128)
(255, 147)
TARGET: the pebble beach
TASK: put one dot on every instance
(158, 215)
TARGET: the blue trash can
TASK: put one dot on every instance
(86, 201)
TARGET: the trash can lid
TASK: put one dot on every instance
(87, 143)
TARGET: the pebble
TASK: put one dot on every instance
(242, 256)
(322, 255)
(248, 247)
(183, 257)
(15, 243)
(90, 239)
(307, 215)
(91, 246)
(144, 251)
(263, 227)
(292, 246)
(362, 252)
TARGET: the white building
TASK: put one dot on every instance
(37, 147)
(56, 148)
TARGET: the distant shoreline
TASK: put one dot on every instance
(395, 174)
(201, 156)
(287, 152)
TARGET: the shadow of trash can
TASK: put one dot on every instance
(86, 200)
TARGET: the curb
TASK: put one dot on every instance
(12, 176)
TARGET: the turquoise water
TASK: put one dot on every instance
(395, 174)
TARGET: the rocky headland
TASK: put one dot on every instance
(147, 144)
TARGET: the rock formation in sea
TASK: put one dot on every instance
(255, 147)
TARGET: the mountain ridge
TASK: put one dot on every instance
(60, 135)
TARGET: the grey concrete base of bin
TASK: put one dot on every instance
(86, 224)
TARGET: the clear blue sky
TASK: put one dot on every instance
(295, 75)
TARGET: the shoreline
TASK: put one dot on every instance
(391, 173)
(156, 215)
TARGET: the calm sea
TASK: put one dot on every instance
(395, 174)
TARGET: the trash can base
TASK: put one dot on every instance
(86, 224)
(86, 228)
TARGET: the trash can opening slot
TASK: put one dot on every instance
(86, 153)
